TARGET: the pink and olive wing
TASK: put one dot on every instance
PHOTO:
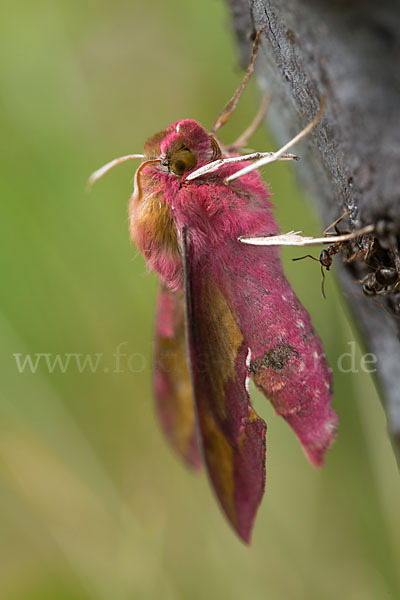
(172, 384)
(287, 361)
(232, 435)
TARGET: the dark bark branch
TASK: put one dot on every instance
(348, 51)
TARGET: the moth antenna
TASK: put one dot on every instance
(246, 135)
(277, 155)
(109, 166)
(229, 108)
(336, 222)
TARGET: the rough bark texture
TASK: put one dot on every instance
(348, 51)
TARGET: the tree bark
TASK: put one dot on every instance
(348, 51)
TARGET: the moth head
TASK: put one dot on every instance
(182, 147)
(177, 150)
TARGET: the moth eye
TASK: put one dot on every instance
(181, 161)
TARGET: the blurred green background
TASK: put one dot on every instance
(93, 505)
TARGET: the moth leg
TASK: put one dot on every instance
(246, 135)
(229, 108)
(220, 162)
(292, 238)
(277, 155)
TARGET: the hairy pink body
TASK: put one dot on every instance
(275, 342)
